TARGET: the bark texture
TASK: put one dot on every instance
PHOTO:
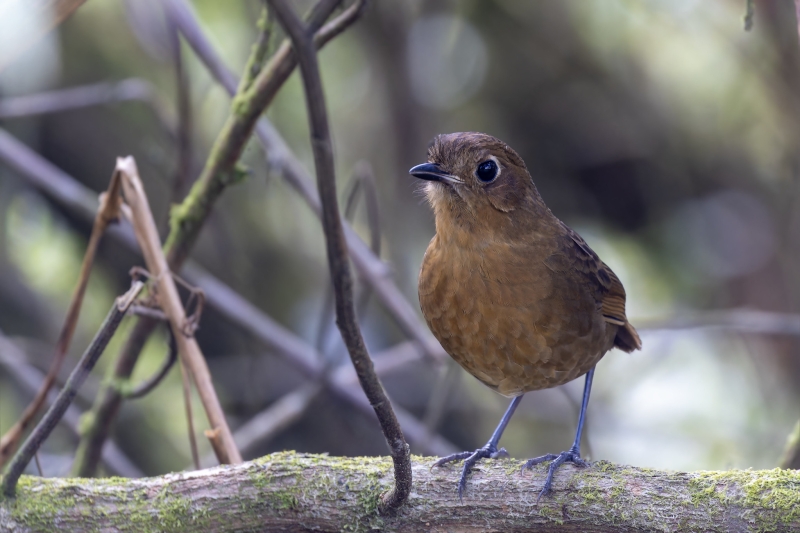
(298, 492)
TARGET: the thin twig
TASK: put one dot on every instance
(267, 424)
(187, 219)
(38, 464)
(221, 169)
(372, 270)
(750, 14)
(15, 361)
(145, 387)
(169, 300)
(367, 179)
(96, 425)
(186, 385)
(338, 258)
(741, 319)
(442, 390)
(107, 213)
(76, 197)
(362, 180)
(132, 89)
(258, 54)
(149, 384)
(184, 130)
(70, 390)
(151, 312)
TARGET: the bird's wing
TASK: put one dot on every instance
(610, 293)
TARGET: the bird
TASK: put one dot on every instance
(513, 295)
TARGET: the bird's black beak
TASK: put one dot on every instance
(428, 171)
(433, 172)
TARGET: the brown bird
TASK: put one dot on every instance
(513, 294)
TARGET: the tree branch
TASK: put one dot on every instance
(296, 492)
(107, 213)
(187, 219)
(338, 257)
(70, 390)
(170, 303)
(372, 270)
(59, 100)
(76, 197)
(220, 170)
(27, 376)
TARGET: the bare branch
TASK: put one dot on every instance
(295, 492)
(67, 191)
(219, 449)
(132, 89)
(372, 270)
(70, 390)
(271, 421)
(170, 302)
(338, 257)
(258, 54)
(362, 180)
(97, 424)
(107, 213)
(186, 221)
(743, 320)
(145, 387)
(184, 127)
(220, 170)
(13, 358)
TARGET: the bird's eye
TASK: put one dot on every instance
(487, 171)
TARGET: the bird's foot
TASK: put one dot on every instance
(572, 456)
(489, 451)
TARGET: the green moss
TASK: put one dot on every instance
(37, 505)
(365, 494)
(40, 505)
(511, 467)
(777, 491)
(603, 466)
(86, 423)
(123, 386)
(282, 482)
(241, 105)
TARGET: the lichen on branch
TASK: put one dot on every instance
(299, 492)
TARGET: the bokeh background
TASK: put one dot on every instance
(662, 131)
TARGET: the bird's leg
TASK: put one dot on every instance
(489, 450)
(573, 455)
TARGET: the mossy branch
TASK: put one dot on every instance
(297, 492)
(221, 170)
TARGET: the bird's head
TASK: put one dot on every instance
(476, 179)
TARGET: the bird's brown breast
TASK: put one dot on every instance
(518, 316)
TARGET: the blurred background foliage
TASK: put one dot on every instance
(661, 131)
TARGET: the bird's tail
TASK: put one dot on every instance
(627, 339)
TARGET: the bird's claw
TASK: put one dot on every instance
(470, 458)
(572, 456)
